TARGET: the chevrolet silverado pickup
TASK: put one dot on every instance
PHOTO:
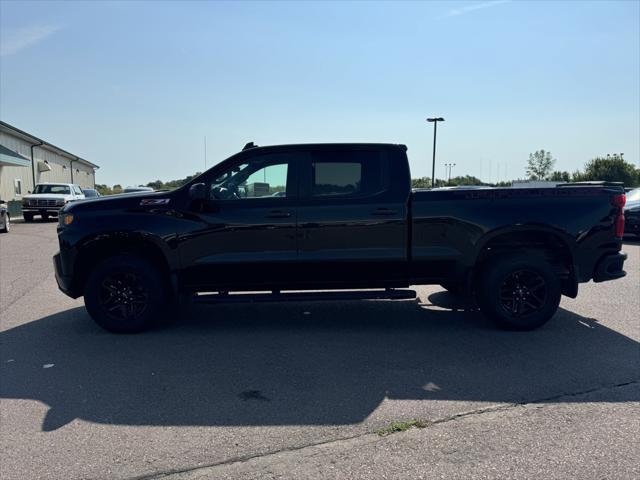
(335, 221)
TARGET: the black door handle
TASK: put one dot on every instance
(384, 211)
(278, 214)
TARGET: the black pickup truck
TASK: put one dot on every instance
(323, 221)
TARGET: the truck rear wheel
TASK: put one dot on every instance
(518, 292)
(125, 294)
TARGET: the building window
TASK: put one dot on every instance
(17, 186)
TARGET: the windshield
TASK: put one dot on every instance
(59, 189)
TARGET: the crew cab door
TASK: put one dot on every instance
(352, 219)
(246, 238)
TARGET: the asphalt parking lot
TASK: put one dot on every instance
(299, 390)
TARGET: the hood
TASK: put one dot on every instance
(118, 201)
(53, 196)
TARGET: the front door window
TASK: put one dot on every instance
(263, 177)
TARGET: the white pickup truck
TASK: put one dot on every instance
(48, 198)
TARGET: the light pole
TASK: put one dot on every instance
(449, 167)
(435, 121)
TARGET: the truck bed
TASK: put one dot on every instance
(451, 226)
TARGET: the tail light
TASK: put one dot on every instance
(620, 225)
(618, 201)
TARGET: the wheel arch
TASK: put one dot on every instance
(93, 250)
(552, 244)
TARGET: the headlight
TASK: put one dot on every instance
(60, 202)
(25, 201)
(66, 219)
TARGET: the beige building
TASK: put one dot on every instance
(26, 160)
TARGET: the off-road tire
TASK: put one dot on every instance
(127, 285)
(529, 280)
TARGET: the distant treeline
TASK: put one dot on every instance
(156, 185)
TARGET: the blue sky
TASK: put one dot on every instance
(134, 87)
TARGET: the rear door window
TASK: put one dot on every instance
(347, 173)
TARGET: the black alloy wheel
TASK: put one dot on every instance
(124, 296)
(523, 293)
(127, 294)
(518, 292)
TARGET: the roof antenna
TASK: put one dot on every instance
(249, 145)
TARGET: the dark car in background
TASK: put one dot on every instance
(632, 212)
(91, 193)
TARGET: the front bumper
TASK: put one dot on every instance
(610, 267)
(64, 281)
(42, 210)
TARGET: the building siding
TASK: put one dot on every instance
(62, 168)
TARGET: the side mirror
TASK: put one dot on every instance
(198, 191)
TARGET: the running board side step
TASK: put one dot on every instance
(389, 294)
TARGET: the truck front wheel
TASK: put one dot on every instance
(518, 292)
(125, 294)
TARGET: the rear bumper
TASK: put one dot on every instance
(610, 267)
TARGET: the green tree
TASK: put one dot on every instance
(171, 184)
(612, 168)
(503, 183)
(157, 185)
(103, 189)
(466, 180)
(540, 165)
(423, 182)
(559, 176)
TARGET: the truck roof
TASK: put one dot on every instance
(54, 183)
(346, 145)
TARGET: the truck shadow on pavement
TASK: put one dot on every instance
(302, 364)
